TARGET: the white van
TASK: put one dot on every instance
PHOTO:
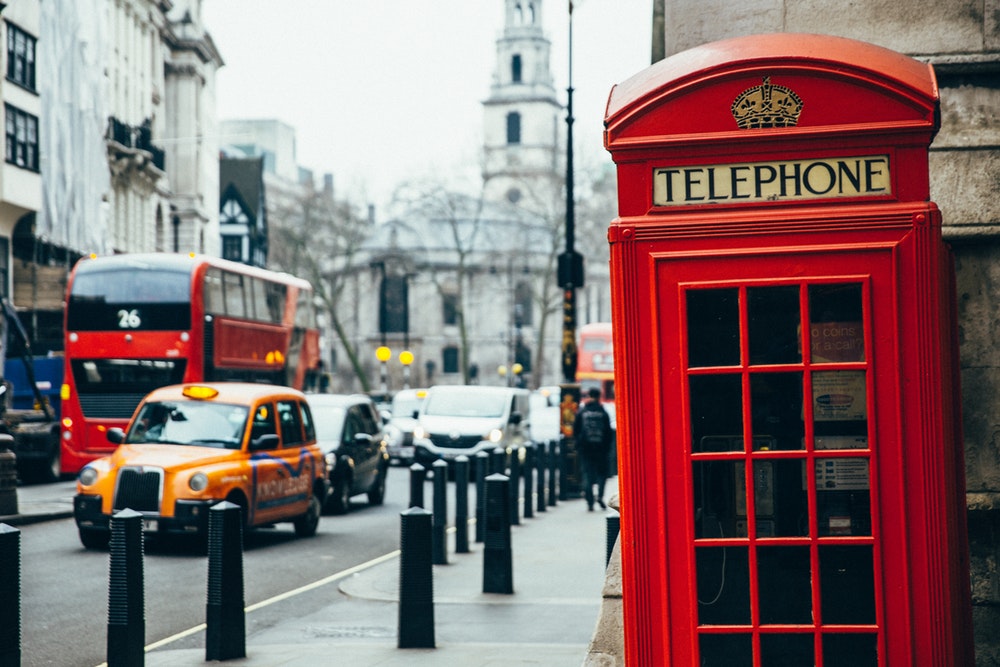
(467, 419)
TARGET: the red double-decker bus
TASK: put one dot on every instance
(142, 321)
(595, 366)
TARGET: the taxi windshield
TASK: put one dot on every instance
(196, 423)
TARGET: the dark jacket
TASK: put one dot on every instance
(590, 417)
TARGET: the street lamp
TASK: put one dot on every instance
(502, 372)
(517, 369)
(406, 358)
(383, 354)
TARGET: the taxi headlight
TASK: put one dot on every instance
(496, 435)
(331, 459)
(88, 476)
(419, 432)
(198, 481)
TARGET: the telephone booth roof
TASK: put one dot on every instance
(840, 82)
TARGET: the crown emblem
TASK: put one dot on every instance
(766, 106)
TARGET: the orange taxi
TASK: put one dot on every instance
(191, 446)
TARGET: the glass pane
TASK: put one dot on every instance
(723, 585)
(840, 410)
(716, 410)
(857, 650)
(713, 327)
(774, 325)
(836, 328)
(843, 505)
(787, 651)
(720, 499)
(726, 650)
(780, 499)
(776, 410)
(847, 585)
(785, 593)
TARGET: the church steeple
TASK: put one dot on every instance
(521, 124)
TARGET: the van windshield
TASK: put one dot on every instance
(466, 404)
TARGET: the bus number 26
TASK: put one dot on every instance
(129, 319)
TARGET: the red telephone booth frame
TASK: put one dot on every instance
(696, 138)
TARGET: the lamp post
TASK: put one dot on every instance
(516, 369)
(502, 372)
(383, 354)
(570, 276)
(406, 358)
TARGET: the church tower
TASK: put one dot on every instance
(521, 117)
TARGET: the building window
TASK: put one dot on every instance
(449, 304)
(4, 267)
(513, 128)
(523, 312)
(232, 247)
(394, 314)
(515, 68)
(449, 359)
(22, 138)
(20, 57)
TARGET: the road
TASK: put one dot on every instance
(65, 587)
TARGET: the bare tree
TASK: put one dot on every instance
(460, 217)
(317, 237)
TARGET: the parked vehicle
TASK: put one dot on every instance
(191, 446)
(27, 410)
(403, 419)
(468, 419)
(349, 431)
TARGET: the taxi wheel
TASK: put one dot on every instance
(96, 539)
(376, 494)
(339, 501)
(306, 525)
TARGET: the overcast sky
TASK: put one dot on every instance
(381, 90)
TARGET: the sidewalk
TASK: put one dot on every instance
(549, 620)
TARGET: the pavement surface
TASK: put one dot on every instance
(558, 567)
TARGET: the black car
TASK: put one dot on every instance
(349, 431)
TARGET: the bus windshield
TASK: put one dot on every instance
(113, 299)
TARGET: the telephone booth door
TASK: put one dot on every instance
(784, 453)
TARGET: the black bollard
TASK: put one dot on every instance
(461, 504)
(528, 475)
(498, 576)
(514, 488)
(225, 620)
(540, 459)
(439, 545)
(614, 523)
(126, 610)
(498, 461)
(553, 472)
(10, 593)
(416, 581)
(417, 476)
(482, 471)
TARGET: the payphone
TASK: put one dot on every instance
(789, 449)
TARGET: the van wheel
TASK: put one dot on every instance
(306, 525)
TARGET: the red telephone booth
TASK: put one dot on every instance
(792, 479)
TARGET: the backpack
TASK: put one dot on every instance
(592, 427)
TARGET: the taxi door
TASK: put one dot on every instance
(283, 475)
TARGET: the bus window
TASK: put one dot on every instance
(232, 287)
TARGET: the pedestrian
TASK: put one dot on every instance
(592, 429)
